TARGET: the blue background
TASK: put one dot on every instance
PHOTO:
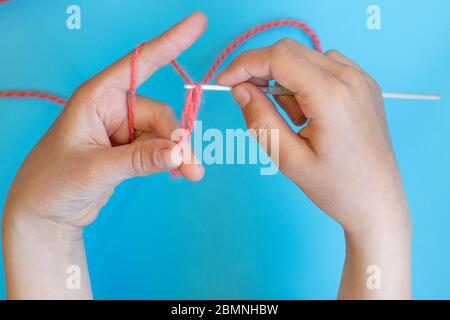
(236, 234)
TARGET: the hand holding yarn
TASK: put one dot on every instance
(194, 96)
(86, 152)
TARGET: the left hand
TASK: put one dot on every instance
(73, 170)
(75, 167)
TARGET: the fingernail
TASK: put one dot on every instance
(219, 78)
(170, 158)
(242, 96)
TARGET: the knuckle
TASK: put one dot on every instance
(85, 91)
(377, 88)
(338, 90)
(167, 110)
(170, 49)
(241, 57)
(351, 76)
(84, 87)
(283, 47)
(257, 121)
(373, 84)
(347, 73)
(333, 53)
(89, 94)
(141, 162)
(156, 46)
(149, 63)
(286, 42)
(173, 47)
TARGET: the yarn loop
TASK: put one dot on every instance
(191, 107)
(194, 95)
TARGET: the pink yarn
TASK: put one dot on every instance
(194, 96)
(33, 94)
(132, 92)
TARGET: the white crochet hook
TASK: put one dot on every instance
(281, 91)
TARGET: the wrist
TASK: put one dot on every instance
(40, 256)
(383, 219)
(378, 261)
(388, 237)
(30, 227)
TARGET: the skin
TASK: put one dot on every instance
(73, 170)
(343, 160)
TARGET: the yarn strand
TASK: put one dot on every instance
(259, 29)
(194, 95)
(131, 101)
(33, 94)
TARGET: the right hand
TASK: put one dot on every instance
(343, 159)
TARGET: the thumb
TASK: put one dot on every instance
(264, 120)
(140, 158)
